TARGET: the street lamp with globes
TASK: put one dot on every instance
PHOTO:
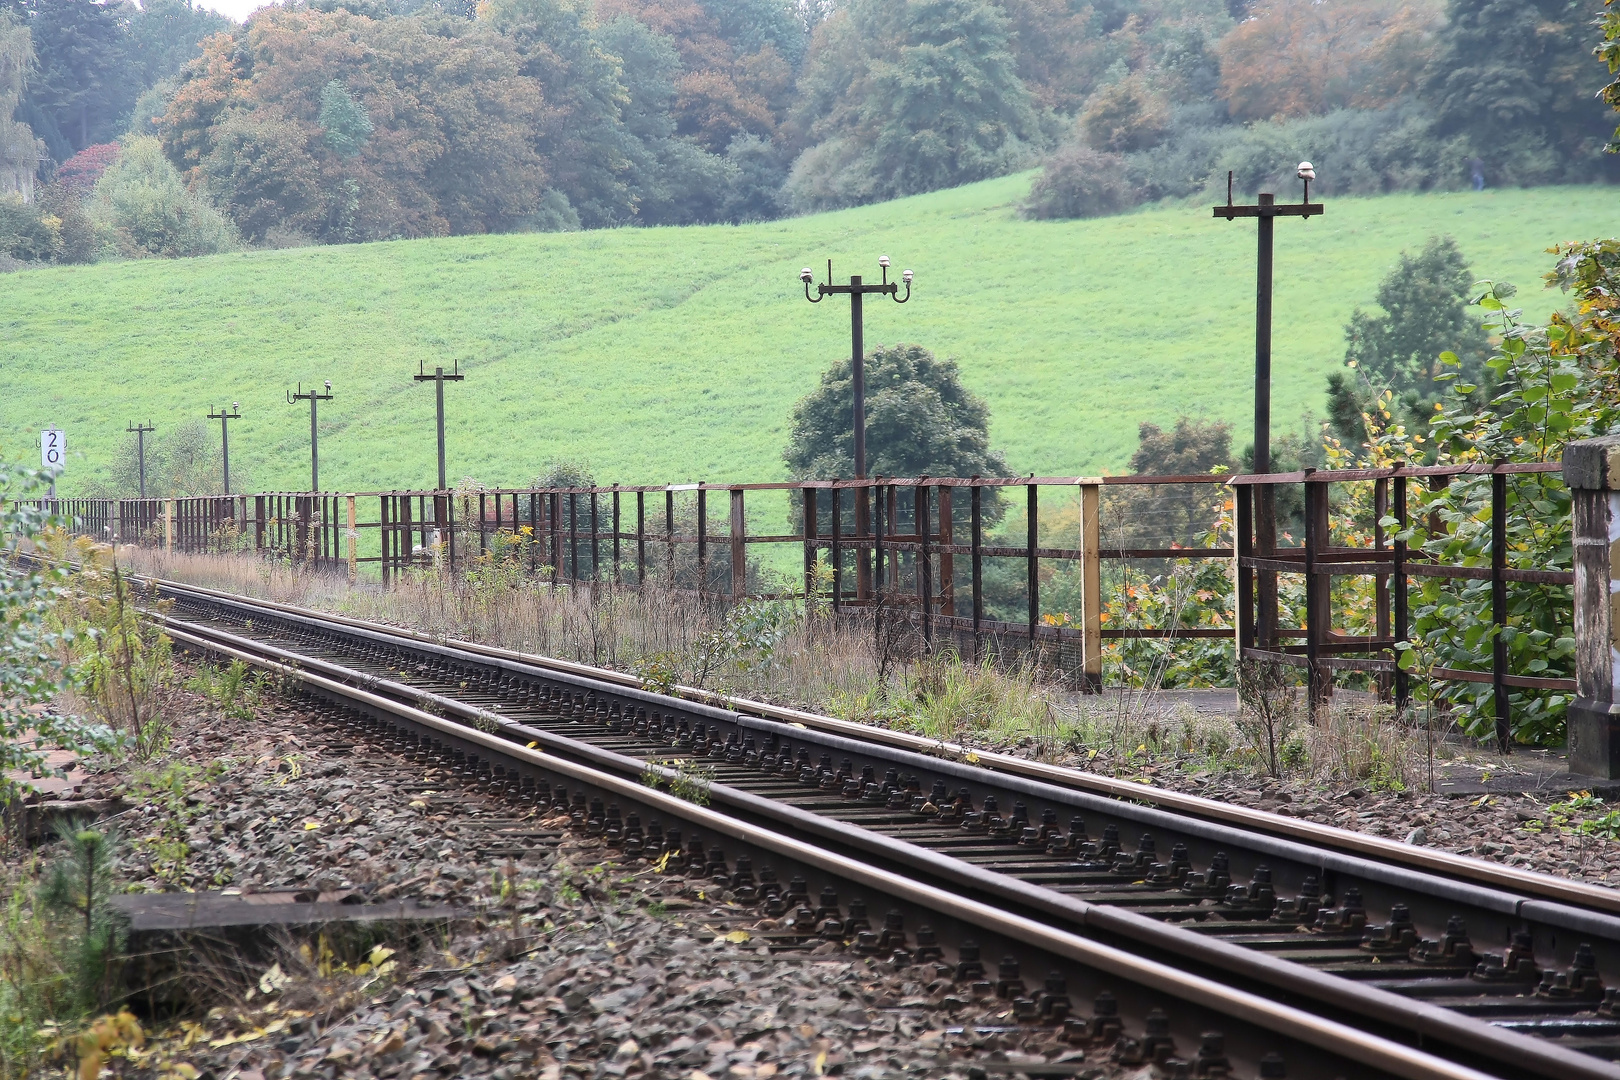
(855, 290)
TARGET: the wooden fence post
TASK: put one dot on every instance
(739, 557)
(1091, 585)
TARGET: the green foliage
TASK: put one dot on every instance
(706, 329)
(1425, 313)
(905, 98)
(1608, 51)
(1079, 182)
(74, 889)
(27, 233)
(182, 459)
(236, 689)
(170, 788)
(1511, 76)
(1159, 517)
(96, 59)
(1555, 383)
(344, 120)
(60, 946)
(143, 206)
(32, 646)
(1583, 814)
(920, 420)
(683, 777)
(120, 658)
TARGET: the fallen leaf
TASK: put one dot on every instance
(737, 937)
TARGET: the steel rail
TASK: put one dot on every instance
(1312, 1030)
(1422, 1021)
(1431, 860)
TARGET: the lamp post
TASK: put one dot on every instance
(225, 417)
(439, 378)
(312, 396)
(141, 431)
(1266, 210)
(856, 290)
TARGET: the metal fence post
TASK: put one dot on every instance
(1499, 655)
(1091, 586)
(810, 529)
(925, 570)
(1400, 615)
(977, 557)
(641, 538)
(617, 576)
(837, 549)
(739, 557)
(354, 543)
(1033, 566)
(1315, 591)
(669, 534)
(947, 560)
(703, 540)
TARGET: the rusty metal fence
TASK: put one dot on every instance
(1316, 645)
(926, 548)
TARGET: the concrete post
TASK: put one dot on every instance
(1592, 471)
(168, 526)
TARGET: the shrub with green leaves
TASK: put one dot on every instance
(1555, 383)
(32, 670)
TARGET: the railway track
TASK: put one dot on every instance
(1166, 917)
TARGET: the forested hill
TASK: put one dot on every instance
(667, 354)
(159, 130)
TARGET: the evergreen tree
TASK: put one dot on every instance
(1425, 313)
(1515, 78)
(80, 87)
(906, 98)
(344, 120)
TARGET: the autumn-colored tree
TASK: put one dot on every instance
(79, 173)
(451, 149)
(725, 88)
(1302, 57)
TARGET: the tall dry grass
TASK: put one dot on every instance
(791, 653)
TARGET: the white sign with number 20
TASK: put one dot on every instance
(52, 448)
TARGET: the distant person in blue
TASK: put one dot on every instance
(1476, 167)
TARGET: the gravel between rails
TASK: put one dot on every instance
(586, 968)
(1516, 829)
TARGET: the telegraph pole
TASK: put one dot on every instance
(141, 431)
(855, 290)
(439, 378)
(225, 417)
(1266, 210)
(312, 396)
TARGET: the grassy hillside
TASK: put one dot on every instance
(672, 355)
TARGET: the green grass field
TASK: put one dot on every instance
(673, 355)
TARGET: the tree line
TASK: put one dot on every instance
(164, 129)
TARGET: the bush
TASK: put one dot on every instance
(1079, 182)
(1125, 116)
(27, 234)
(142, 208)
